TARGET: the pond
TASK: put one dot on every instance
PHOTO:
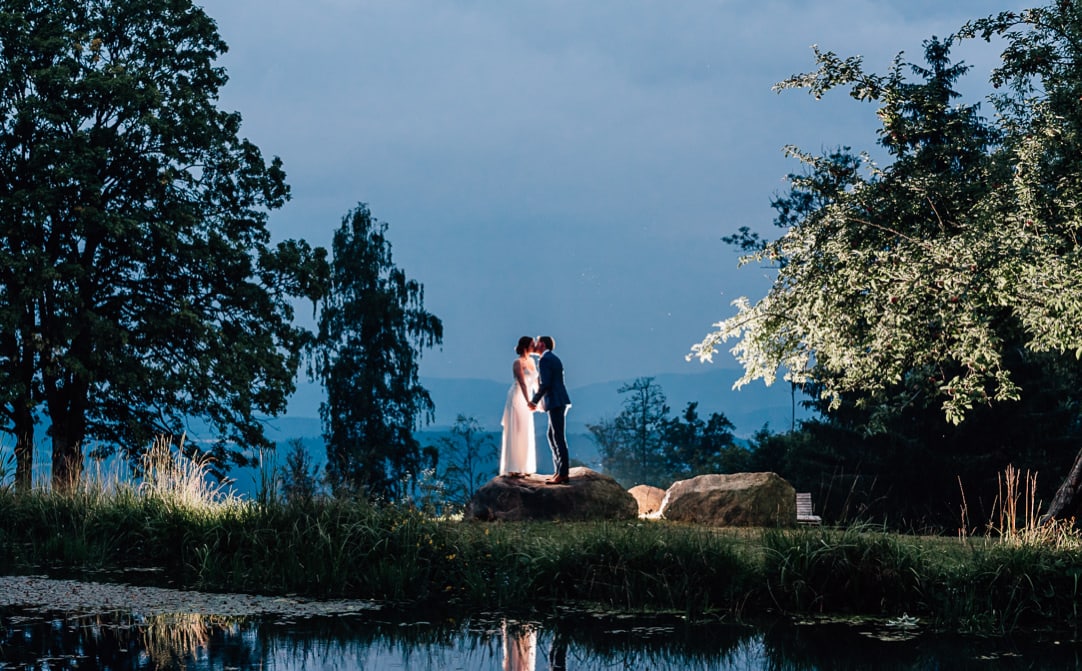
(235, 632)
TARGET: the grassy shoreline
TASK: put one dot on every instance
(356, 550)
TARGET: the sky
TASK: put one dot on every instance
(558, 167)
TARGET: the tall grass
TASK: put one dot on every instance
(171, 476)
(855, 570)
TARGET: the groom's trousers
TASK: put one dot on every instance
(558, 439)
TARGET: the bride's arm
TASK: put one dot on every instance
(520, 377)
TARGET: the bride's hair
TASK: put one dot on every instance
(523, 346)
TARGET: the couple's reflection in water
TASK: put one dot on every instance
(520, 649)
(30, 638)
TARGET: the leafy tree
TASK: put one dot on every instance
(1041, 79)
(372, 330)
(857, 243)
(469, 452)
(901, 302)
(697, 447)
(946, 151)
(138, 285)
(631, 445)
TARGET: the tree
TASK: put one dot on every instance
(631, 445)
(697, 447)
(299, 476)
(948, 154)
(858, 247)
(1041, 74)
(138, 285)
(469, 453)
(897, 304)
(372, 330)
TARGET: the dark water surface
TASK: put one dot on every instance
(35, 640)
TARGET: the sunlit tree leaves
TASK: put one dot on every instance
(916, 282)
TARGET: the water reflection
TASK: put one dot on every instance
(519, 647)
(571, 641)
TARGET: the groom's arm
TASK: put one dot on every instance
(544, 379)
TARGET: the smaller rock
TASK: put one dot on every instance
(588, 495)
(648, 497)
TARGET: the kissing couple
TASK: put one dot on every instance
(537, 386)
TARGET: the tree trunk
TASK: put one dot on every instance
(67, 410)
(24, 448)
(1068, 499)
(67, 463)
(20, 349)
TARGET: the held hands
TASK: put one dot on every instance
(532, 406)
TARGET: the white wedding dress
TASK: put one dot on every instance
(518, 453)
(519, 650)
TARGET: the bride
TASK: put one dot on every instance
(518, 456)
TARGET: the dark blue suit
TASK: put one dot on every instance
(551, 388)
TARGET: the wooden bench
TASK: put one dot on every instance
(804, 509)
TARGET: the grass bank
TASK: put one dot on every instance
(353, 549)
(1023, 576)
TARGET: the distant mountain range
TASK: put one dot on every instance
(749, 409)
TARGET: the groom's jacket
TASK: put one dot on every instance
(550, 386)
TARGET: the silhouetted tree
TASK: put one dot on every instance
(138, 285)
(372, 330)
(632, 445)
(697, 447)
(300, 477)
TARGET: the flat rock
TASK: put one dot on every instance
(648, 497)
(732, 500)
(588, 496)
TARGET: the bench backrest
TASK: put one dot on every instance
(804, 514)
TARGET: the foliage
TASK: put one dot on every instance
(372, 329)
(138, 284)
(697, 447)
(950, 275)
(644, 444)
(900, 304)
(914, 474)
(888, 283)
(468, 454)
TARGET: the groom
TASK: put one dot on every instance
(551, 388)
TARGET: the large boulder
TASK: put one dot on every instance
(588, 495)
(648, 497)
(734, 500)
